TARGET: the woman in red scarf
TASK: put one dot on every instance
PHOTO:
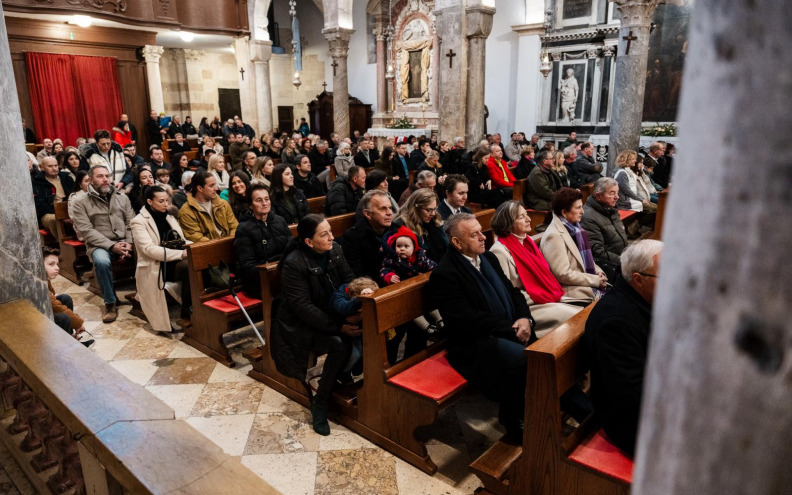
(526, 267)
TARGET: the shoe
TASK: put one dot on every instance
(87, 343)
(110, 314)
(185, 323)
(319, 415)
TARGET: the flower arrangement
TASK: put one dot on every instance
(403, 123)
(660, 130)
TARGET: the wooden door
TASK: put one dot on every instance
(286, 119)
(228, 99)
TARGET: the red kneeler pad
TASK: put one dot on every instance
(597, 453)
(226, 304)
(433, 378)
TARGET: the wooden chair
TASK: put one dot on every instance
(587, 190)
(73, 252)
(214, 312)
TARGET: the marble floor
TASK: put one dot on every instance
(271, 434)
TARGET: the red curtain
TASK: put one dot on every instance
(72, 96)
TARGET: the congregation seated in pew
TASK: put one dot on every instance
(455, 189)
(425, 179)
(305, 180)
(345, 192)
(629, 197)
(377, 179)
(237, 195)
(205, 216)
(50, 185)
(602, 222)
(419, 214)
(288, 201)
(543, 182)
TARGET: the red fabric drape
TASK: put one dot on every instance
(73, 96)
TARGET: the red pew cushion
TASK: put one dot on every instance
(433, 378)
(74, 243)
(597, 453)
(226, 304)
(625, 214)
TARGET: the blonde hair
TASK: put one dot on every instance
(623, 160)
(258, 168)
(421, 198)
(212, 165)
(558, 164)
(357, 285)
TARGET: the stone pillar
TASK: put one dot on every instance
(717, 414)
(630, 82)
(152, 54)
(21, 268)
(260, 54)
(246, 96)
(339, 46)
(196, 101)
(452, 97)
(382, 92)
(479, 26)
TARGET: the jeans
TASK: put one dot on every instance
(62, 319)
(103, 271)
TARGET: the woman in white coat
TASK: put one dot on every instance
(149, 227)
(566, 248)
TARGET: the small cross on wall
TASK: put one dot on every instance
(451, 56)
(629, 39)
(334, 65)
(324, 85)
(242, 71)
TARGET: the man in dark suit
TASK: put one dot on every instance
(655, 160)
(616, 341)
(456, 193)
(487, 320)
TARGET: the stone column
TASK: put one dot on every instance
(479, 26)
(717, 414)
(452, 97)
(260, 54)
(382, 93)
(630, 82)
(152, 54)
(246, 96)
(196, 103)
(339, 46)
(21, 268)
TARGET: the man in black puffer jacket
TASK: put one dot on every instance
(602, 222)
(345, 192)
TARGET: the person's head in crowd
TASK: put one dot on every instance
(334, 137)
(103, 141)
(128, 160)
(426, 179)
(80, 141)
(456, 190)
(277, 145)
(559, 159)
(204, 122)
(145, 178)
(626, 159)
(527, 152)
(187, 120)
(264, 166)
(32, 166)
(569, 154)
(51, 258)
(123, 125)
(481, 157)
(464, 234)
(444, 147)
(534, 140)
(670, 150)
(378, 210)
(419, 210)
(47, 144)
(163, 176)
(362, 286)
(521, 137)
(511, 218)
(246, 140)
(656, 149)
(266, 138)
(255, 143)
(638, 167)
(303, 165)
(344, 148)
(377, 179)
(203, 186)
(432, 158)
(178, 137)
(208, 154)
(573, 136)
(424, 145)
(57, 148)
(186, 178)
(240, 138)
(321, 146)
(403, 243)
(130, 149)
(515, 137)
(157, 199)
(260, 202)
(496, 151)
(640, 265)
(238, 189)
(282, 178)
(386, 155)
(496, 139)
(306, 145)
(155, 154)
(567, 203)
(357, 177)
(401, 148)
(546, 160)
(249, 160)
(49, 165)
(154, 115)
(459, 142)
(208, 141)
(176, 119)
(587, 149)
(217, 164)
(606, 192)
(81, 181)
(91, 140)
(180, 161)
(100, 179)
(70, 161)
(231, 138)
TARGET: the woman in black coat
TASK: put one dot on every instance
(313, 267)
(289, 202)
(261, 238)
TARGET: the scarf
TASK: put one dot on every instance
(533, 270)
(491, 286)
(581, 239)
(161, 220)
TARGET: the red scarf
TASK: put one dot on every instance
(533, 270)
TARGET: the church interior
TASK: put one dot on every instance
(497, 96)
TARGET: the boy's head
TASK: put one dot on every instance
(178, 137)
(403, 242)
(50, 256)
(163, 176)
(362, 286)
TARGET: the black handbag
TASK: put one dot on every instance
(172, 240)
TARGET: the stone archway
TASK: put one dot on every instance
(257, 19)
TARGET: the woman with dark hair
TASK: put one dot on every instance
(522, 262)
(180, 163)
(260, 238)
(238, 195)
(81, 182)
(566, 248)
(143, 178)
(419, 214)
(384, 161)
(313, 267)
(480, 187)
(203, 128)
(69, 161)
(121, 133)
(215, 131)
(305, 145)
(290, 203)
(150, 228)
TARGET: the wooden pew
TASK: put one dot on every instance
(518, 192)
(72, 250)
(214, 313)
(662, 202)
(317, 205)
(338, 224)
(550, 461)
(587, 190)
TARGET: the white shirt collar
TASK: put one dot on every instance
(475, 262)
(454, 211)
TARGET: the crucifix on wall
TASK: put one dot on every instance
(242, 71)
(451, 56)
(324, 85)
(334, 65)
(629, 39)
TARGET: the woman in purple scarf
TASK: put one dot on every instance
(566, 247)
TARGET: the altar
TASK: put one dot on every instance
(384, 136)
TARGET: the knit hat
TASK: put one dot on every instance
(403, 232)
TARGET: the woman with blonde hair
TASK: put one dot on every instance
(290, 152)
(210, 144)
(217, 167)
(419, 214)
(629, 199)
(560, 169)
(262, 171)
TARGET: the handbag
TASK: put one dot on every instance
(172, 240)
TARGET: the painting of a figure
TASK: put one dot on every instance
(414, 90)
(667, 50)
(570, 98)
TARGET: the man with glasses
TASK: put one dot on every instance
(543, 182)
(616, 340)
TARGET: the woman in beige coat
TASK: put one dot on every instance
(149, 227)
(565, 247)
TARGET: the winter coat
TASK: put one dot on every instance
(147, 272)
(566, 262)
(362, 250)
(103, 221)
(540, 188)
(404, 268)
(496, 170)
(59, 307)
(305, 308)
(197, 224)
(44, 192)
(257, 243)
(606, 232)
(122, 137)
(341, 198)
(310, 186)
(116, 163)
(342, 164)
(292, 211)
(628, 190)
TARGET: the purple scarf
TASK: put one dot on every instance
(581, 239)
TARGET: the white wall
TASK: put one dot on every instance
(503, 58)
(362, 76)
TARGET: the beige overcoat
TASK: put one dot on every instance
(566, 262)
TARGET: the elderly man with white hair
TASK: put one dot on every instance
(616, 343)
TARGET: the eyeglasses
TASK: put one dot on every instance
(430, 211)
(647, 274)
